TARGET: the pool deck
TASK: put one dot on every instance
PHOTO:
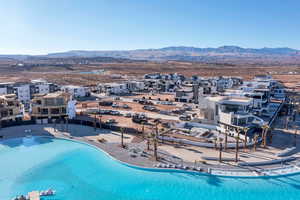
(168, 154)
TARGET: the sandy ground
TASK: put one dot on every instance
(282, 139)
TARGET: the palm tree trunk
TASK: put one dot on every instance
(67, 124)
(122, 137)
(226, 140)
(155, 149)
(215, 142)
(245, 141)
(95, 128)
(155, 142)
(148, 143)
(255, 142)
(100, 122)
(220, 152)
(295, 137)
(270, 134)
(265, 137)
(237, 147)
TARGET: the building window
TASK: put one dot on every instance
(55, 111)
(60, 101)
(45, 111)
(49, 102)
(63, 110)
(217, 110)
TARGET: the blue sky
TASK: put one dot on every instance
(44, 26)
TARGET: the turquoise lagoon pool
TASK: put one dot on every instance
(79, 171)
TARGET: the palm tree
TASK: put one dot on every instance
(215, 142)
(237, 138)
(155, 149)
(122, 137)
(95, 122)
(148, 143)
(220, 150)
(287, 122)
(245, 130)
(295, 136)
(67, 124)
(145, 136)
(264, 134)
(255, 141)
(155, 141)
(271, 135)
(100, 123)
(54, 125)
(143, 129)
(226, 139)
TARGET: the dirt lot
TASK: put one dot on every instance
(116, 72)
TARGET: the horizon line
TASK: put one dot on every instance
(136, 49)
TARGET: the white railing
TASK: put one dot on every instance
(289, 169)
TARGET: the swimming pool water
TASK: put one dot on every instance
(78, 171)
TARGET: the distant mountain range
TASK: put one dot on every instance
(183, 53)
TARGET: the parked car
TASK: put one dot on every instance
(105, 103)
(125, 106)
(166, 103)
(92, 111)
(114, 112)
(111, 121)
(150, 108)
(166, 124)
(178, 111)
(165, 112)
(187, 107)
(145, 102)
(104, 112)
(128, 115)
(185, 118)
(115, 105)
(139, 118)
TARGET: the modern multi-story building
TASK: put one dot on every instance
(76, 91)
(45, 107)
(25, 91)
(10, 108)
(6, 88)
(41, 86)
